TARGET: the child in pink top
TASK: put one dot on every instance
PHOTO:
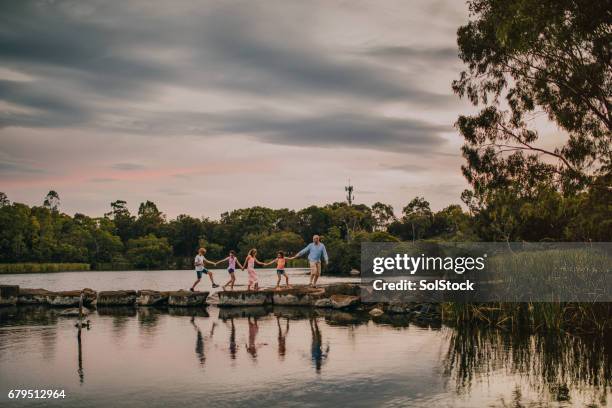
(232, 260)
(250, 262)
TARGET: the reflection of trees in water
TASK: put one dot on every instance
(555, 363)
(148, 323)
(148, 319)
(28, 315)
(33, 315)
(121, 317)
(317, 351)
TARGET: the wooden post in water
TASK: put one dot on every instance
(80, 311)
(80, 326)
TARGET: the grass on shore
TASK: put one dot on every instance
(539, 316)
(32, 267)
(533, 271)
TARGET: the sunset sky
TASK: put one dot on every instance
(207, 107)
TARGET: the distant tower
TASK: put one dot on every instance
(349, 193)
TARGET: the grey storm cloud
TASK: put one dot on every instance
(407, 167)
(338, 129)
(431, 55)
(12, 166)
(93, 60)
(356, 130)
(128, 166)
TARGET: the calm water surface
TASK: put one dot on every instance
(281, 356)
(154, 280)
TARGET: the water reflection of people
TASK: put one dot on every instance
(199, 347)
(232, 340)
(318, 355)
(282, 338)
(253, 329)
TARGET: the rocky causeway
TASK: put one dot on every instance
(341, 296)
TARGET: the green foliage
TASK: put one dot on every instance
(525, 57)
(149, 252)
(550, 56)
(269, 244)
(346, 255)
(383, 215)
(119, 240)
(545, 215)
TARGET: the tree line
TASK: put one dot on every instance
(149, 240)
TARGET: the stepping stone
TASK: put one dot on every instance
(245, 298)
(71, 297)
(151, 297)
(303, 296)
(116, 298)
(29, 296)
(344, 301)
(185, 298)
(8, 295)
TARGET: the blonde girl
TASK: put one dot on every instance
(250, 262)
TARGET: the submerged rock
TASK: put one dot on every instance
(323, 302)
(125, 310)
(8, 295)
(116, 298)
(376, 312)
(350, 289)
(151, 297)
(302, 296)
(343, 301)
(240, 312)
(29, 296)
(73, 312)
(295, 313)
(245, 298)
(399, 307)
(187, 298)
(344, 317)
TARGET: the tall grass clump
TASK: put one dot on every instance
(42, 267)
(544, 290)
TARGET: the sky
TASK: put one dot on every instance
(205, 107)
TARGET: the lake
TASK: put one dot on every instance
(150, 357)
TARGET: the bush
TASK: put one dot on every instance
(149, 252)
(343, 255)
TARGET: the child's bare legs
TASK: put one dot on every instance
(230, 282)
(286, 281)
(195, 283)
(278, 279)
(212, 280)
